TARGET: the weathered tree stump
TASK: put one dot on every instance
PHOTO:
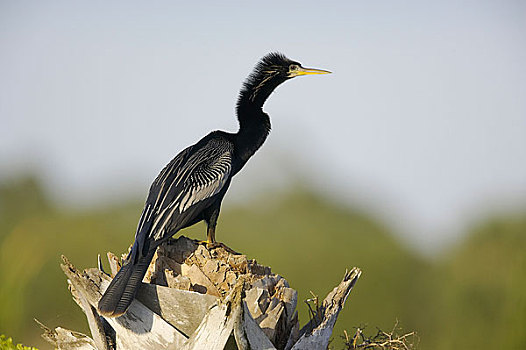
(199, 298)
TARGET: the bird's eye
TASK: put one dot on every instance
(294, 67)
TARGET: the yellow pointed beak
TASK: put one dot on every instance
(307, 71)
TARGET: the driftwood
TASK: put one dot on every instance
(199, 298)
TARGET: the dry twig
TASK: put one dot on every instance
(381, 340)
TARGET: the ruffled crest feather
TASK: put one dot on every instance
(269, 72)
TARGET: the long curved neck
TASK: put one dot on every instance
(254, 127)
(254, 124)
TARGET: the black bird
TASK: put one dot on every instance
(191, 187)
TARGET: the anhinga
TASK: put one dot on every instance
(191, 187)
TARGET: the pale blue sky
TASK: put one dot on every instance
(423, 121)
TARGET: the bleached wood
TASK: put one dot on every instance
(316, 334)
(95, 325)
(256, 337)
(198, 278)
(65, 339)
(245, 305)
(139, 328)
(213, 332)
(114, 263)
(219, 322)
(183, 309)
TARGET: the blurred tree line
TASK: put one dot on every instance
(472, 296)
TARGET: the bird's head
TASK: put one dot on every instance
(272, 70)
(277, 65)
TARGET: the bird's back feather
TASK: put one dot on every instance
(192, 178)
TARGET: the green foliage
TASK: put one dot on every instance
(487, 284)
(473, 297)
(7, 344)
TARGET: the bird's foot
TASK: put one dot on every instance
(196, 241)
(214, 245)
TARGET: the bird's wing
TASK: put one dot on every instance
(194, 175)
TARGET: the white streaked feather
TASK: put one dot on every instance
(218, 174)
(202, 176)
(160, 231)
(144, 215)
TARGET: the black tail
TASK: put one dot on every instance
(123, 287)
